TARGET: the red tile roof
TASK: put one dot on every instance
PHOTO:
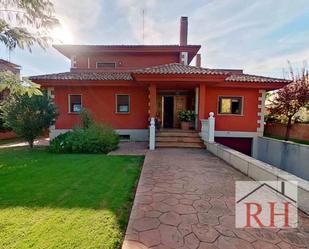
(254, 78)
(177, 68)
(172, 68)
(84, 76)
(8, 66)
(8, 63)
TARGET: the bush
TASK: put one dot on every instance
(2, 127)
(86, 118)
(186, 116)
(97, 138)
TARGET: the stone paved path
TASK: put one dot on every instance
(131, 148)
(37, 142)
(185, 200)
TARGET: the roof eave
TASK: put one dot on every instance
(69, 50)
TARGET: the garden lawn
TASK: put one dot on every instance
(65, 200)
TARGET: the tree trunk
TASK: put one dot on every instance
(288, 127)
(31, 143)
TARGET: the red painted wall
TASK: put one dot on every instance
(7, 135)
(125, 62)
(246, 122)
(101, 100)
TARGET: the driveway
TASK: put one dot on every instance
(37, 142)
(185, 199)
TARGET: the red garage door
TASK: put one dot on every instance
(243, 145)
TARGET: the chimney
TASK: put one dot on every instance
(198, 60)
(183, 31)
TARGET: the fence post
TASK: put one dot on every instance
(211, 129)
(152, 134)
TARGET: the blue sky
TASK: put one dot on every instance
(258, 36)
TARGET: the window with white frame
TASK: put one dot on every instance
(106, 64)
(122, 103)
(230, 105)
(75, 103)
(73, 61)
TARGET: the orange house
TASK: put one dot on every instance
(126, 85)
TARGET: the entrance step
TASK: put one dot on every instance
(177, 133)
(179, 145)
(182, 139)
(175, 138)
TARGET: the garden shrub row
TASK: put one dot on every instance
(96, 138)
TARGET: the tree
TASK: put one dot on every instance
(291, 98)
(28, 115)
(12, 82)
(24, 23)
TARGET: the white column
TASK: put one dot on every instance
(261, 112)
(196, 107)
(152, 134)
(211, 129)
(51, 94)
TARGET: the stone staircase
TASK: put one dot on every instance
(176, 138)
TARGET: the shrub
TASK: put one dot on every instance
(2, 127)
(186, 116)
(86, 118)
(97, 138)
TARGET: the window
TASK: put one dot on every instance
(73, 61)
(75, 103)
(230, 105)
(123, 103)
(106, 65)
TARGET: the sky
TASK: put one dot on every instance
(257, 36)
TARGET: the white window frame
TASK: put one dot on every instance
(69, 102)
(116, 102)
(231, 97)
(73, 61)
(110, 62)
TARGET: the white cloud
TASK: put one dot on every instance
(233, 33)
(80, 16)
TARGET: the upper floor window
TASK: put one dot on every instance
(230, 105)
(73, 61)
(106, 64)
(75, 103)
(122, 103)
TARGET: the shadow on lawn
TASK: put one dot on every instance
(41, 179)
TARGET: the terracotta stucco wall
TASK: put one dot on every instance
(7, 135)
(126, 61)
(102, 102)
(246, 122)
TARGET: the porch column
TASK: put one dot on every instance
(152, 101)
(152, 115)
(202, 103)
(196, 111)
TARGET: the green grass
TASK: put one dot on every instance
(291, 139)
(64, 200)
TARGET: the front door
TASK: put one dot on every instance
(168, 112)
(180, 103)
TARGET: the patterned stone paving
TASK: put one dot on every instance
(185, 200)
